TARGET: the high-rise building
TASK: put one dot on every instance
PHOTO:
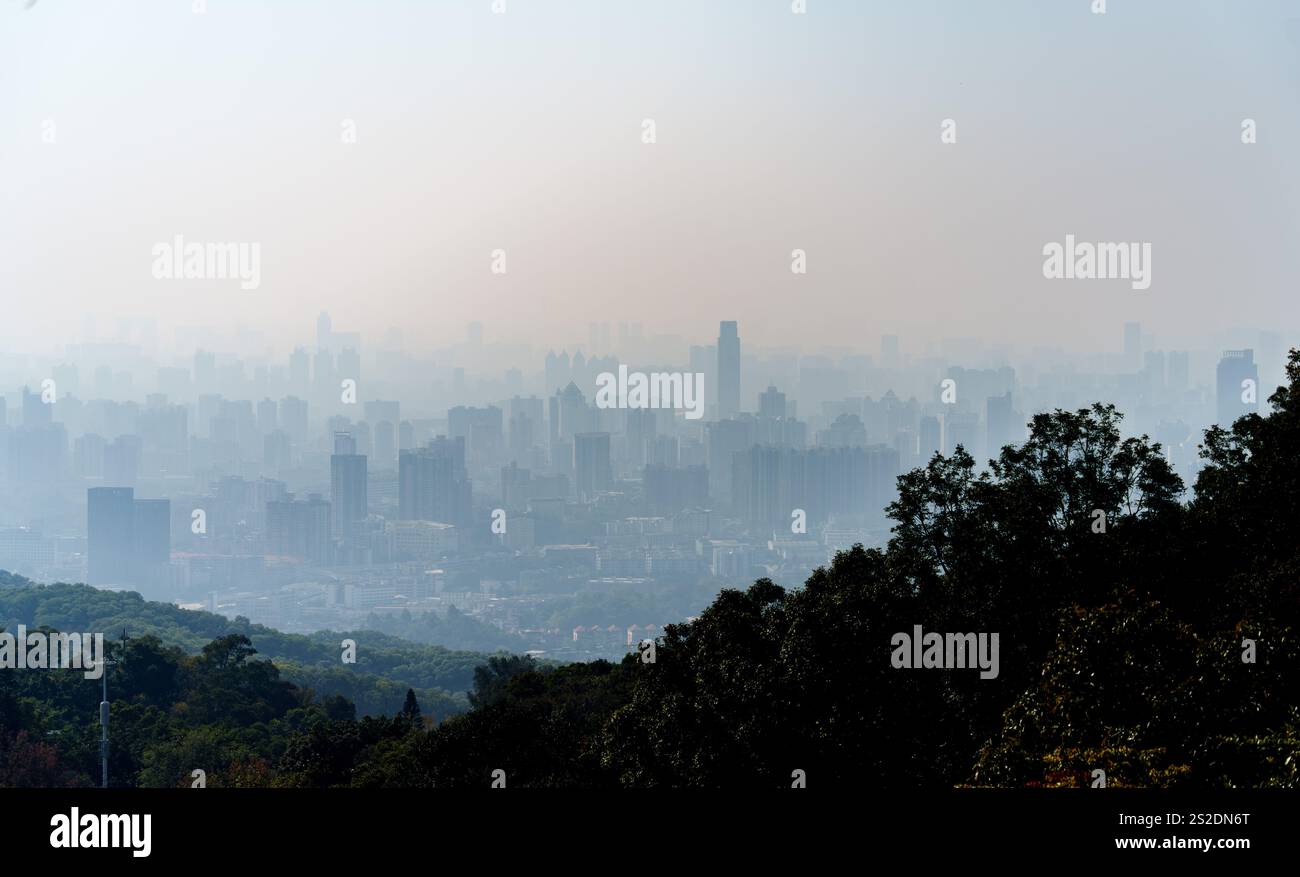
(728, 370)
(771, 403)
(128, 540)
(642, 427)
(558, 371)
(591, 464)
(324, 331)
(961, 428)
(929, 439)
(385, 444)
(299, 528)
(725, 438)
(431, 483)
(453, 448)
(36, 411)
(999, 423)
(293, 418)
(889, 357)
(481, 429)
(1133, 346)
(515, 487)
(569, 414)
(266, 419)
(122, 461)
(769, 484)
(348, 486)
(1236, 386)
(662, 450)
(151, 537)
(299, 373)
(88, 456)
(36, 455)
(847, 431)
(704, 361)
(348, 365)
(110, 535)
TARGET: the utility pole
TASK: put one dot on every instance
(103, 713)
(103, 728)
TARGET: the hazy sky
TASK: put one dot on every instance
(775, 131)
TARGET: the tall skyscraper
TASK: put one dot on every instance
(642, 427)
(110, 535)
(299, 529)
(1236, 386)
(728, 370)
(385, 444)
(431, 483)
(930, 438)
(152, 537)
(725, 439)
(128, 540)
(591, 464)
(571, 414)
(998, 420)
(348, 486)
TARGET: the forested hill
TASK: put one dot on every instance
(386, 666)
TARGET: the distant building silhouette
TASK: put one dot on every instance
(128, 540)
(728, 370)
(348, 486)
(431, 483)
(1236, 386)
(299, 528)
(591, 464)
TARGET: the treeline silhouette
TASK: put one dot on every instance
(1156, 641)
